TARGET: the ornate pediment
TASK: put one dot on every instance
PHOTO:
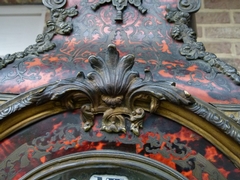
(112, 89)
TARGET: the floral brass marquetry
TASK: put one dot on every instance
(113, 89)
(120, 5)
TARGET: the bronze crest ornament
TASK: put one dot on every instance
(112, 89)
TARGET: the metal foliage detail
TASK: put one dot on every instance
(120, 5)
(57, 25)
(116, 91)
(194, 50)
(112, 89)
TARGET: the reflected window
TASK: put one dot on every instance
(20, 25)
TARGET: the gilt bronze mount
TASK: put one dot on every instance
(112, 89)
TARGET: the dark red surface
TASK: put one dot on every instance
(145, 36)
(50, 138)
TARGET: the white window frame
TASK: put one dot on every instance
(21, 11)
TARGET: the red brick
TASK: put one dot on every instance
(222, 32)
(236, 17)
(218, 47)
(222, 4)
(212, 17)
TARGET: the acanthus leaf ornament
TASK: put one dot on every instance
(112, 90)
(116, 91)
(120, 5)
(189, 6)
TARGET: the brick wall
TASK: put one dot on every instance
(218, 27)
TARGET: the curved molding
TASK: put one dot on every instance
(194, 50)
(107, 159)
(57, 25)
(200, 125)
(117, 92)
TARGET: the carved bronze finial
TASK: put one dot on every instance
(120, 5)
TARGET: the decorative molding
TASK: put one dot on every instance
(7, 97)
(21, 102)
(227, 124)
(120, 5)
(227, 107)
(57, 25)
(194, 50)
(113, 90)
(137, 166)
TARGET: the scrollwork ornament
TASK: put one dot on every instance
(190, 6)
(192, 49)
(216, 118)
(22, 102)
(111, 89)
(54, 4)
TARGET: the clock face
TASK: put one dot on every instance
(108, 177)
